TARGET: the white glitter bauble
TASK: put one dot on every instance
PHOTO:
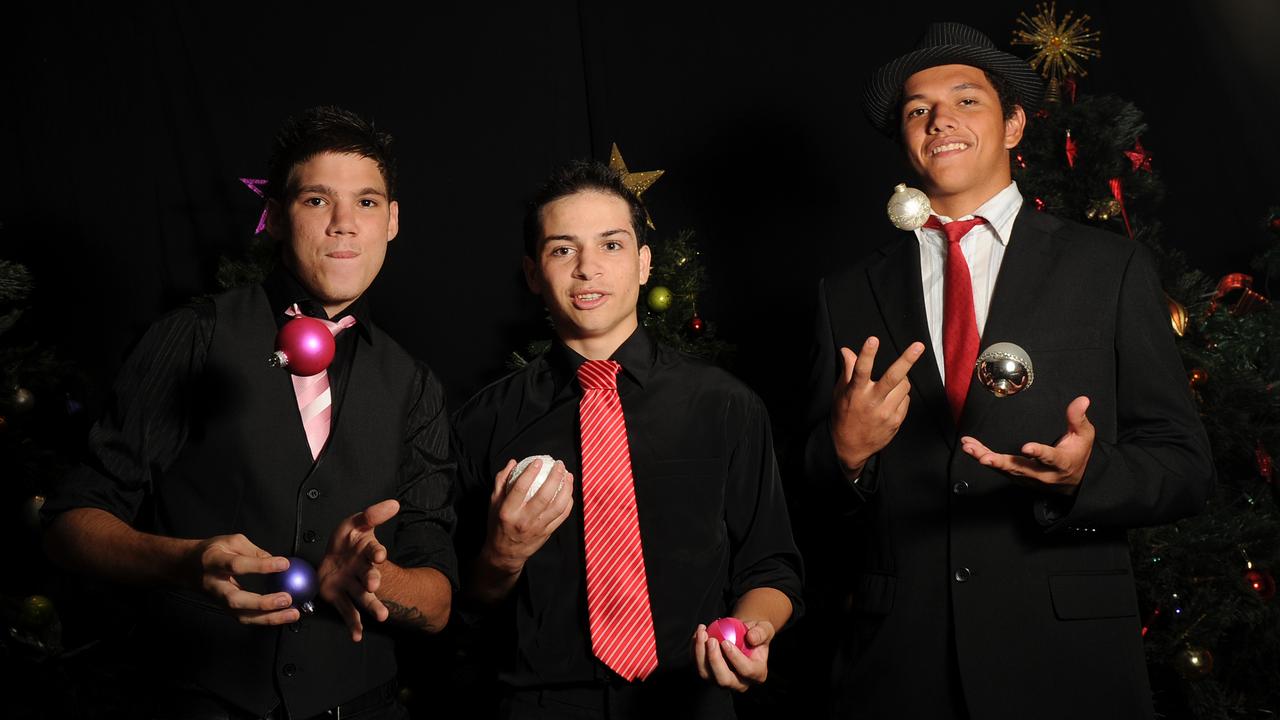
(543, 471)
(908, 207)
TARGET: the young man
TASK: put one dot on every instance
(663, 511)
(989, 572)
(211, 466)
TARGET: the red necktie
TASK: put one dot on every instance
(315, 401)
(617, 589)
(959, 324)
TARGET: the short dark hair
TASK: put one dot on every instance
(1008, 100)
(575, 177)
(326, 129)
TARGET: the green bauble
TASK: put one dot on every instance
(37, 611)
(659, 299)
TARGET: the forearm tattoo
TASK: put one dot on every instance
(407, 615)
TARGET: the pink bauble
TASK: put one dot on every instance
(731, 629)
(307, 346)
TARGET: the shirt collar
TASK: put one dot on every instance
(284, 290)
(637, 355)
(999, 212)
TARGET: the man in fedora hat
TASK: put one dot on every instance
(988, 571)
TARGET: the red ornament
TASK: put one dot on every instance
(1266, 468)
(1236, 290)
(732, 630)
(304, 346)
(1139, 156)
(1072, 151)
(1039, 204)
(1117, 192)
(1261, 582)
(696, 325)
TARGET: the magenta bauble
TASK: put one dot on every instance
(304, 346)
(732, 630)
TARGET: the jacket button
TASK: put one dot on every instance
(309, 536)
(313, 493)
(289, 670)
(960, 488)
(963, 574)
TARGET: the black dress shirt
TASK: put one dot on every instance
(147, 420)
(713, 519)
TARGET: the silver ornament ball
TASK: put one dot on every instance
(908, 207)
(1005, 369)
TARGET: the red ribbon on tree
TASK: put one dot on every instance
(1069, 82)
(1266, 468)
(1117, 192)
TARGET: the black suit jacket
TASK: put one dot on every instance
(963, 587)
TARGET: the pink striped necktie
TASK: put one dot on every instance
(315, 402)
(618, 609)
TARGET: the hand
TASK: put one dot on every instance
(1060, 467)
(224, 557)
(866, 414)
(348, 575)
(721, 662)
(517, 529)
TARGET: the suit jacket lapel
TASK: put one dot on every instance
(895, 281)
(1020, 285)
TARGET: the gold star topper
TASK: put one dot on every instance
(1059, 46)
(636, 182)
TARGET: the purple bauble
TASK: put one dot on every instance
(304, 346)
(301, 583)
(731, 629)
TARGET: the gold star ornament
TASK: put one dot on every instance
(636, 182)
(1059, 45)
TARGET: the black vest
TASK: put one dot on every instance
(246, 468)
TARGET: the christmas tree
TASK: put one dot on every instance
(1212, 629)
(43, 426)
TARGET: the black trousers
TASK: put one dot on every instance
(661, 700)
(195, 704)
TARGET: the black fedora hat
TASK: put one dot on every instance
(948, 44)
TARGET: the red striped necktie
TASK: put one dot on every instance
(618, 609)
(315, 401)
(959, 323)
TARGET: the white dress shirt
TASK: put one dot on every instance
(983, 247)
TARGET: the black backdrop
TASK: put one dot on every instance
(125, 130)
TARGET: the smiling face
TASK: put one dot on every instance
(588, 270)
(956, 136)
(337, 226)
